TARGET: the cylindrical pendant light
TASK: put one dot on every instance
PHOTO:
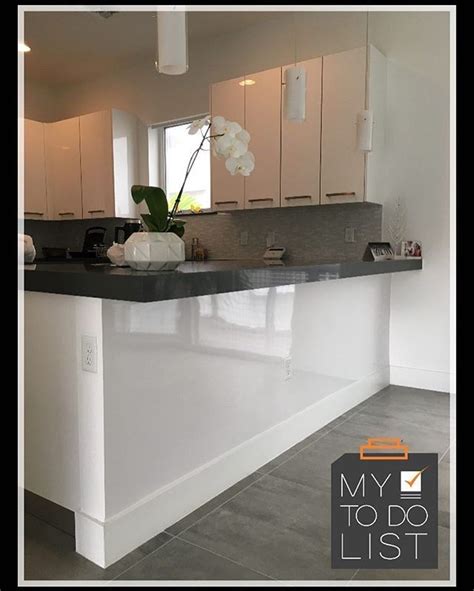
(295, 93)
(172, 55)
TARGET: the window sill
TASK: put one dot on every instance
(192, 213)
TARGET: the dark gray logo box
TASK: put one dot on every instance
(350, 543)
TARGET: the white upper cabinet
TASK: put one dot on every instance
(92, 161)
(110, 163)
(35, 202)
(342, 163)
(97, 165)
(227, 100)
(347, 173)
(63, 169)
(301, 144)
(262, 121)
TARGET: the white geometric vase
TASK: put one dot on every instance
(154, 251)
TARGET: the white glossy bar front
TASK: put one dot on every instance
(191, 395)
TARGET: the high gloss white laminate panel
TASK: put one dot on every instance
(35, 171)
(188, 380)
(63, 169)
(64, 438)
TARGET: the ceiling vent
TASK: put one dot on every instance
(105, 13)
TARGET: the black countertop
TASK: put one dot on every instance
(193, 278)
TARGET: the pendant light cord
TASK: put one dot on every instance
(294, 30)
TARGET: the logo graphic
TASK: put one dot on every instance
(384, 508)
(410, 483)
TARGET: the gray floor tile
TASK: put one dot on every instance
(50, 555)
(293, 451)
(276, 527)
(179, 560)
(46, 510)
(443, 494)
(414, 407)
(190, 519)
(419, 437)
(441, 573)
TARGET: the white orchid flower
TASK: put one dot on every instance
(197, 125)
(230, 147)
(242, 165)
(243, 135)
(218, 125)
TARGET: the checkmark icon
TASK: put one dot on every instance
(412, 481)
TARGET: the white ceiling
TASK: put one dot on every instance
(70, 47)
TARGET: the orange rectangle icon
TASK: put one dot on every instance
(383, 448)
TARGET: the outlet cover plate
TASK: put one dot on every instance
(89, 353)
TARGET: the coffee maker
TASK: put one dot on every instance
(128, 228)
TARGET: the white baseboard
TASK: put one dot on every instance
(420, 378)
(138, 523)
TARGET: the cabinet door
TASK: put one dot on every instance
(63, 169)
(342, 163)
(97, 165)
(301, 144)
(262, 121)
(227, 191)
(35, 171)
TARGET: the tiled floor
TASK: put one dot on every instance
(274, 524)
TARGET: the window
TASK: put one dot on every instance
(176, 149)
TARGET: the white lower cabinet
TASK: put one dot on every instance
(63, 169)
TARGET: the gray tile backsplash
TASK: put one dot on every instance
(307, 232)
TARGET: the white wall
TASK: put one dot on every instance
(417, 169)
(156, 98)
(40, 102)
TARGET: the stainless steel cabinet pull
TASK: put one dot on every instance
(298, 197)
(66, 213)
(34, 213)
(261, 199)
(222, 202)
(339, 194)
(96, 211)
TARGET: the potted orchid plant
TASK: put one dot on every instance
(161, 246)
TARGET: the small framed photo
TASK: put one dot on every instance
(411, 249)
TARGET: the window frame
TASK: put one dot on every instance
(161, 133)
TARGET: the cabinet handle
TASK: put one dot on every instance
(66, 213)
(298, 197)
(261, 199)
(222, 202)
(96, 211)
(34, 213)
(339, 194)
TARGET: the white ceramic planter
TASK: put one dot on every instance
(154, 251)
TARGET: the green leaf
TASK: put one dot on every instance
(157, 204)
(177, 229)
(149, 222)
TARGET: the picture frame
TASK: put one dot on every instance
(411, 249)
(379, 251)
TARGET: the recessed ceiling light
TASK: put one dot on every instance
(23, 48)
(247, 82)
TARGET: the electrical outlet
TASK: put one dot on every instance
(349, 235)
(89, 353)
(271, 239)
(244, 238)
(288, 368)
